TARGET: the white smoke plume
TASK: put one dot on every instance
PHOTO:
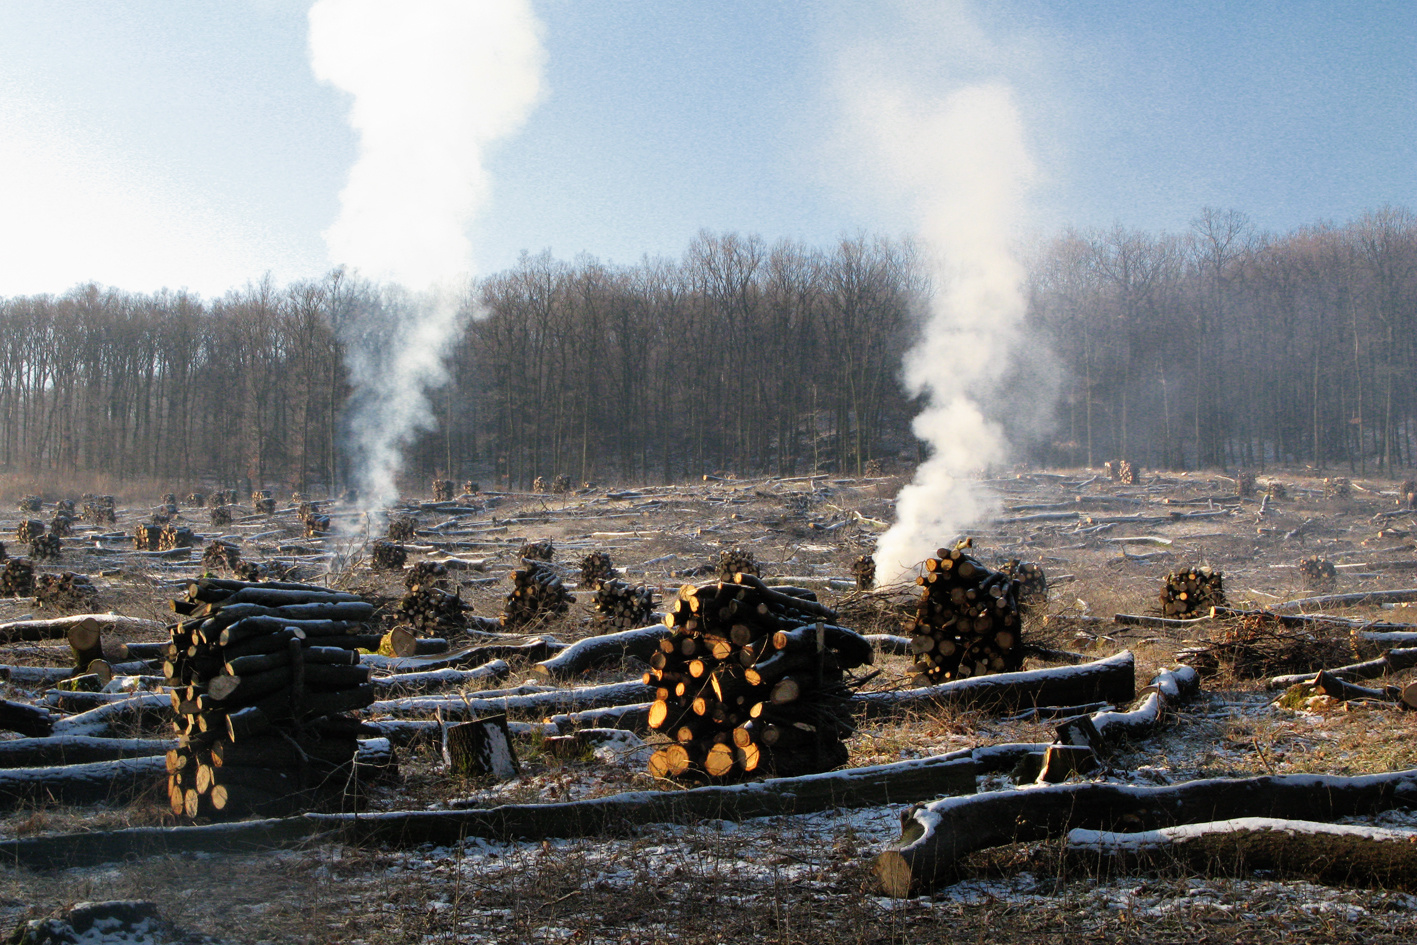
(433, 83)
(960, 163)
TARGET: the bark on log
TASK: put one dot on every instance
(603, 650)
(1374, 641)
(629, 718)
(92, 783)
(1331, 685)
(480, 748)
(55, 628)
(470, 707)
(1393, 661)
(889, 644)
(406, 683)
(936, 836)
(1361, 599)
(29, 720)
(144, 711)
(1143, 620)
(1103, 731)
(535, 649)
(1107, 680)
(77, 749)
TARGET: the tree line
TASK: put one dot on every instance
(1218, 347)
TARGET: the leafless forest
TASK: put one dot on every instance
(1222, 346)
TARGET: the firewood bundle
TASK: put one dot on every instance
(596, 567)
(220, 515)
(147, 535)
(1244, 484)
(66, 590)
(432, 610)
(620, 605)
(538, 485)
(1337, 488)
(751, 682)
(28, 530)
(100, 509)
(1032, 584)
(1318, 572)
(736, 561)
(1192, 592)
(966, 621)
(317, 526)
(261, 677)
(175, 536)
(561, 484)
(197, 500)
(863, 569)
(537, 592)
(1258, 645)
(263, 501)
(402, 528)
(1277, 490)
(30, 503)
(45, 548)
(543, 549)
(1407, 494)
(443, 490)
(471, 488)
(1128, 474)
(221, 555)
(62, 525)
(387, 556)
(426, 574)
(17, 578)
(224, 497)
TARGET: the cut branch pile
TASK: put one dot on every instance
(537, 592)
(262, 676)
(1192, 592)
(863, 569)
(175, 536)
(387, 556)
(751, 681)
(1318, 573)
(1032, 584)
(1259, 644)
(736, 561)
(45, 548)
(596, 567)
(28, 530)
(17, 579)
(622, 606)
(66, 590)
(966, 621)
(543, 549)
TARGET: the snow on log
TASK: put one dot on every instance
(469, 707)
(77, 749)
(92, 783)
(1104, 730)
(1393, 661)
(603, 650)
(1107, 680)
(151, 710)
(404, 683)
(1360, 599)
(57, 628)
(533, 649)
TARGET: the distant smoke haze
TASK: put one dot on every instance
(959, 163)
(433, 83)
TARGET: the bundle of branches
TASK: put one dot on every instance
(146, 536)
(543, 549)
(224, 497)
(45, 548)
(1244, 484)
(863, 569)
(66, 590)
(1032, 584)
(175, 536)
(1407, 494)
(62, 525)
(536, 592)
(30, 503)
(432, 610)
(1337, 488)
(261, 676)
(1258, 644)
(443, 490)
(561, 484)
(966, 621)
(197, 500)
(28, 530)
(263, 502)
(622, 606)
(100, 509)
(736, 561)
(1318, 573)
(538, 485)
(596, 567)
(221, 515)
(221, 555)
(387, 556)
(752, 681)
(1277, 490)
(1192, 591)
(402, 528)
(17, 578)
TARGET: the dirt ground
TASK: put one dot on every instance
(1105, 547)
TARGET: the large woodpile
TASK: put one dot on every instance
(402, 528)
(443, 490)
(1192, 592)
(1337, 488)
(596, 567)
(221, 556)
(262, 677)
(263, 502)
(537, 592)
(220, 515)
(429, 606)
(30, 503)
(17, 578)
(175, 536)
(967, 620)
(147, 536)
(622, 606)
(751, 683)
(28, 530)
(65, 591)
(387, 556)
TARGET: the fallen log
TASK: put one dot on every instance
(1393, 661)
(1327, 853)
(1360, 599)
(146, 710)
(405, 683)
(1374, 641)
(1107, 680)
(1103, 731)
(57, 628)
(1160, 623)
(1330, 685)
(118, 781)
(603, 650)
(29, 720)
(629, 718)
(77, 749)
(889, 644)
(468, 707)
(535, 649)
(937, 835)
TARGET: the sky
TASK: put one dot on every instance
(160, 144)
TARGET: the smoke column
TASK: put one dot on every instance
(432, 83)
(960, 164)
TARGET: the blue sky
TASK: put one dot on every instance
(153, 144)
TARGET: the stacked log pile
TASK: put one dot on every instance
(175, 536)
(543, 549)
(622, 606)
(224, 497)
(429, 606)
(17, 578)
(863, 569)
(1337, 488)
(736, 561)
(100, 509)
(1407, 494)
(537, 592)
(402, 528)
(28, 530)
(561, 484)
(471, 488)
(66, 590)
(538, 485)
(1244, 484)
(967, 620)
(146, 536)
(316, 524)
(1192, 592)
(751, 682)
(263, 502)
(262, 677)
(1277, 490)
(387, 556)
(45, 548)
(443, 490)
(1318, 573)
(1128, 474)
(197, 500)
(220, 515)
(30, 503)
(595, 568)
(62, 525)
(221, 556)
(1032, 584)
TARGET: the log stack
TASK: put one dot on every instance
(263, 502)
(1407, 494)
(30, 503)
(262, 676)
(402, 528)
(224, 497)
(751, 683)
(539, 486)
(387, 556)
(220, 515)
(543, 549)
(429, 606)
(317, 526)
(100, 509)
(147, 536)
(175, 536)
(221, 556)
(1337, 488)
(620, 605)
(471, 488)
(45, 548)
(17, 578)
(595, 568)
(1318, 573)
(443, 490)
(863, 569)
(197, 500)
(66, 591)
(967, 620)
(1192, 592)
(1032, 584)
(1128, 473)
(28, 530)
(537, 592)
(1277, 490)
(62, 525)
(736, 561)
(1244, 484)
(561, 484)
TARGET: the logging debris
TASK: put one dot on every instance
(966, 619)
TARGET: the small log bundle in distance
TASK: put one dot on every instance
(403, 528)
(1318, 573)
(1407, 494)
(221, 556)
(261, 677)
(62, 525)
(220, 515)
(751, 683)
(432, 611)
(1277, 490)
(146, 536)
(1032, 584)
(538, 485)
(387, 556)
(224, 497)
(100, 509)
(596, 567)
(263, 502)
(17, 578)
(1337, 487)
(543, 549)
(175, 536)
(1192, 592)
(736, 561)
(30, 503)
(28, 530)
(967, 620)
(65, 590)
(197, 500)
(863, 569)
(536, 592)
(561, 484)
(622, 606)
(1244, 484)
(443, 490)
(45, 548)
